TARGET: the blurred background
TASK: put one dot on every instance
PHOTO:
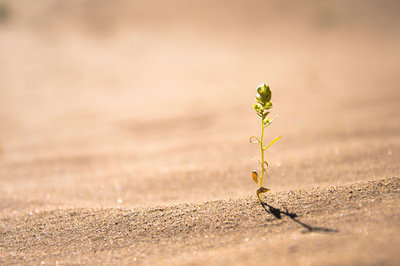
(139, 103)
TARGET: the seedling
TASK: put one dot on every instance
(262, 107)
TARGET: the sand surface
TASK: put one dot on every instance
(124, 132)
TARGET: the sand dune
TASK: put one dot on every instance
(316, 223)
(124, 132)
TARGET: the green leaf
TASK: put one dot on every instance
(268, 105)
(264, 115)
(260, 89)
(272, 142)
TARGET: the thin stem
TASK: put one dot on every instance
(262, 152)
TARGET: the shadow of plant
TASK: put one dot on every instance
(294, 217)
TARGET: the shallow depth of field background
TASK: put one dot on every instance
(144, 103)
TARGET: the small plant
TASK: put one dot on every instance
(262, 107)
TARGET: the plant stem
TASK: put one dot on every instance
(262, 152)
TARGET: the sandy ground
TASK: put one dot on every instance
(124, 132)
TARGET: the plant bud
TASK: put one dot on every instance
(263, 98)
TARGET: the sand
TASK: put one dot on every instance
(220, 232)
(124, 134)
